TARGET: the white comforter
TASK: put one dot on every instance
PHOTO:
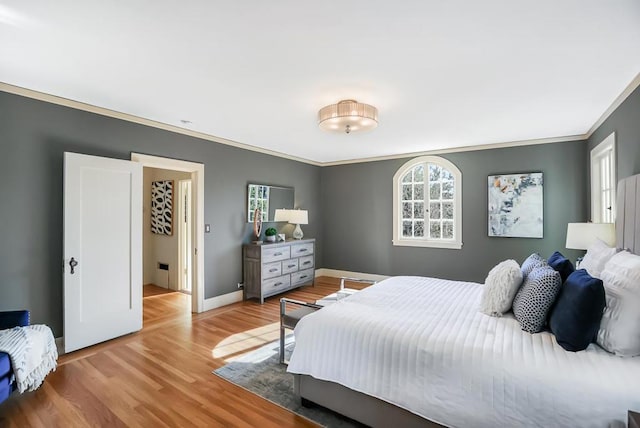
(421, 344)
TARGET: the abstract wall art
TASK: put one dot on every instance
(515, 205)
(162, 207)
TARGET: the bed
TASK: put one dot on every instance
(414, 351)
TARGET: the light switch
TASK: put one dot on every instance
(207, 228)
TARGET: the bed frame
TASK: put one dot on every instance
(378, 413)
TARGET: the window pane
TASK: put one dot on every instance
(407, 192)
(447, 210)
(447, 230)
(418, 210)
(434, 172)
(446, 174)
(418, 192)
(434, 229)
(418, 230)
(447, 190)
(434, 210)
(406, 209)
(434, 191)
(407, 177)
(418, 172)
(407, 229)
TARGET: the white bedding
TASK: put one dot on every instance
(420, 343)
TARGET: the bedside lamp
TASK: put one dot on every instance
(580, 236)
(298, 217)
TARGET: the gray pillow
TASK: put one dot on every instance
(536, 296)
(533, 261)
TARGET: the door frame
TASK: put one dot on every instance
(197, 194)
(181, 232)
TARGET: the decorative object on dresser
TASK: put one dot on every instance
(515, 205)
(257, 225)
(270, 269)
(270, 234)
(269, 199)
(298, 217)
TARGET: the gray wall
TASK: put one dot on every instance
(357, 212)
(33, 137)
(625, 121)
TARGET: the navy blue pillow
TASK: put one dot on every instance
(561, 264)
(575, 319)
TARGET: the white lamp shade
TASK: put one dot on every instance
(281, 215)
(580, 236)
(298, 217)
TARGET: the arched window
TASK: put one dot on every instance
(427, 204)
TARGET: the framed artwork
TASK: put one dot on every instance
(162, 207)
(515, 205)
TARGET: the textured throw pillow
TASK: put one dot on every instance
(534, 299)
(561, 264)
(575, 318)
(620, 326)
(500, 287)
(533, 261)
(597, 256)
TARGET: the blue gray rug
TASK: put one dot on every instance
(261, 373)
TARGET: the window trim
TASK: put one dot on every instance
(608, 144)
(398, 240)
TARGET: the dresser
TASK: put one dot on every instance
(272, 268)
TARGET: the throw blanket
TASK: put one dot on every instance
(33, 354)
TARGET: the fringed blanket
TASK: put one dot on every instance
(33, 354)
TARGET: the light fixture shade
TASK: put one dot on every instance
(580, 236)
(298, 217)
(281, 215)
(348, 116)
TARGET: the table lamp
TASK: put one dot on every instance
(298, 217)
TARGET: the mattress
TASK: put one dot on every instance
(421, 344)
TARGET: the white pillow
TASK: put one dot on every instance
(620, 326)
(597, 257)
(500, 287)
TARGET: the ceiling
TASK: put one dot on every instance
(443, 74)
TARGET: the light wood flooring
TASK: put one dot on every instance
(161, 376)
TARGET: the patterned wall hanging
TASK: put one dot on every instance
(516, 205)
(162, 207)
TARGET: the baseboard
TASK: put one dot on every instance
(60, 345)
(340, 273)
(223, 300)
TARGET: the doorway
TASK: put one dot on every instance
(195, 240)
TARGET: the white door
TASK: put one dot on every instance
(102, 249)
(185, 232)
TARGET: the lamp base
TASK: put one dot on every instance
(297, 232)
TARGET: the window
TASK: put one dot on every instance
(427, 204)
(603, 181)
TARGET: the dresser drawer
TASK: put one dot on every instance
(298, 250)
(270, 270)
(306, 262)
(275, 254)
(289, 266)
(276, 285)
(302, 276)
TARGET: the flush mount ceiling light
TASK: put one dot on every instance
(348, 116)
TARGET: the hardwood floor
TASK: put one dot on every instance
(161, 376)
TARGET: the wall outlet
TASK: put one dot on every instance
(240, 285)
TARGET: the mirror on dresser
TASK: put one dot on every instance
(268, 198)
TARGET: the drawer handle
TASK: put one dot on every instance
(290, 266)
(277, 284)
(302, 250)
(307, 263)
(273, 270)
(277, 254)
(303, 276)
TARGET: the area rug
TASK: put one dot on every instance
(261, 373)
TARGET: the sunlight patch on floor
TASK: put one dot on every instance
(236, 345)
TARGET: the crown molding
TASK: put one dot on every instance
(616, 103)
(29, 93)
(53, 99)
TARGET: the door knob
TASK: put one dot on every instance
(73, 263)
